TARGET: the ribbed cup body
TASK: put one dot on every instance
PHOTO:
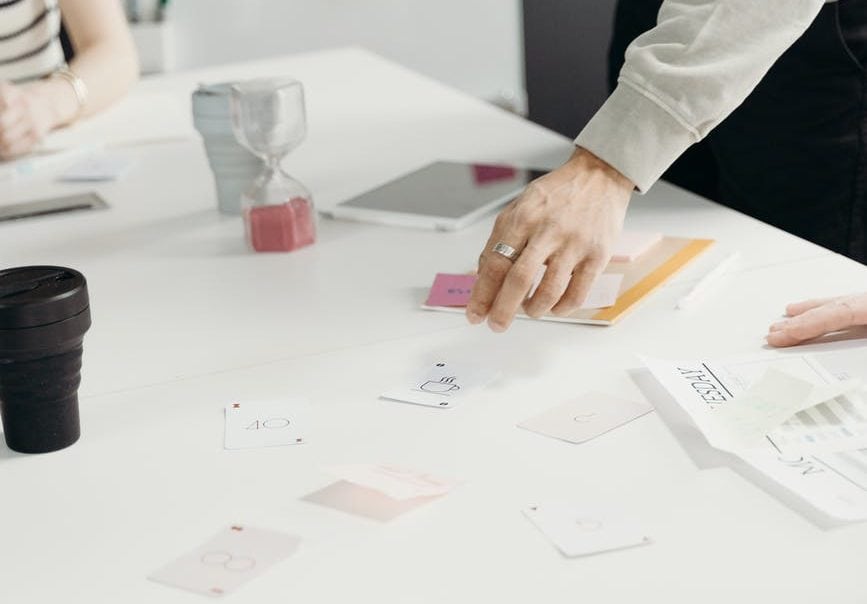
(39, 398)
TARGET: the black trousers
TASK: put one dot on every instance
(794, 154)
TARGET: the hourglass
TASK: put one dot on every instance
(268, 118)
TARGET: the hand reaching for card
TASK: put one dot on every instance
(567, 221)
(813, 318)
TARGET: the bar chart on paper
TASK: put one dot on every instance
(836, 425)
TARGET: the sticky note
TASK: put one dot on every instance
(451, 290)
(743, 422)
(633, 244)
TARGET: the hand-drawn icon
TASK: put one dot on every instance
(585, 418)
(588, 524)
(443, 385)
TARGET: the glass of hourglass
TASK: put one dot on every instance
(268, 118)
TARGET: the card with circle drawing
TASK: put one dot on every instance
(228, 560)
(583, 530)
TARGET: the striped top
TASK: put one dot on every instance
(30, 45)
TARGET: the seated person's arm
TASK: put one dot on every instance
(105, 60)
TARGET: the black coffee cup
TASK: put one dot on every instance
(44, 314)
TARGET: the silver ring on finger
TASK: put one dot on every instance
(505, 250)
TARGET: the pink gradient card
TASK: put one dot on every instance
(379, 492)
(451, 290)
(393, 481)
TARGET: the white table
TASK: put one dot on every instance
(186, 320)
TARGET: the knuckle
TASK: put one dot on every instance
(557, 228)
(582, 242)
(525, 213)
(535, 189)
(522, 274)
(494, 269)
(505, 218)
(545, 298)
(799, 330)
(565, 307)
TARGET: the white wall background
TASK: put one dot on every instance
(474, 45)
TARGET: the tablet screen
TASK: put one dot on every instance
(445, 190)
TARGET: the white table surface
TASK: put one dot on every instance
(186, 320)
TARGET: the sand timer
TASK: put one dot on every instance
(268, 118)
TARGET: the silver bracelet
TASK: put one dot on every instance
(77, 84)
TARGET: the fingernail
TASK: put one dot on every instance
(496, 326)
(474, 317)
(779, 326)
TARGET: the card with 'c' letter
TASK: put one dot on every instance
(586, 417)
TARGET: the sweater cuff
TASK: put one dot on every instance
(637, 135)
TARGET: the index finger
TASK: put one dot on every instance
(812, 324)
(799, 308)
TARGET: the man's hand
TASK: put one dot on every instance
(814, 318)
(567, 220)
(25, 118)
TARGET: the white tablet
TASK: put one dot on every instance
(444, 195)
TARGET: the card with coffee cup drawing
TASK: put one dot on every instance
(442, 385)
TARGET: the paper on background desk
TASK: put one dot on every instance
(137, 119)
(820, 454)
(709, 392)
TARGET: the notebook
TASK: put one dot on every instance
(641, 277)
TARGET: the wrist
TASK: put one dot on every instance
(57, 102)
(583, 161)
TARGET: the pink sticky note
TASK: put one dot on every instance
(451, 290)
(633, 244)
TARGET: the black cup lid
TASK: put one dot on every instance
(31, 296)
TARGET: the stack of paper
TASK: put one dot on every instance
(786, 416)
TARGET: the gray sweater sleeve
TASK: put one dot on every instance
(686, 75)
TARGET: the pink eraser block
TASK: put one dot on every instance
(633, 244)
(451, 290)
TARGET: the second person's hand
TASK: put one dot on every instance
(25, 118)
(566, 220)
(814, 318)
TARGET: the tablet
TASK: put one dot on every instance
(444, 196)
(53, 205)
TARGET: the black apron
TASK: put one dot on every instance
(793, 154)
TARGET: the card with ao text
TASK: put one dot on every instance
(252, 424)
